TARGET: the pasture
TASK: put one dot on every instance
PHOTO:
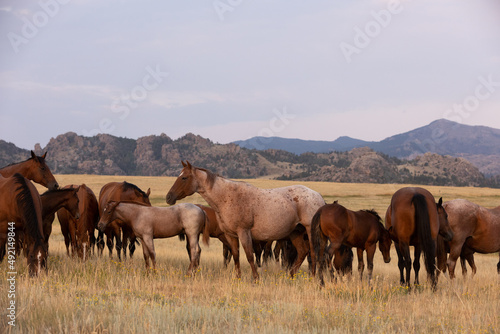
(103, 295)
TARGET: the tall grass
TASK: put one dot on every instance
(103, 295)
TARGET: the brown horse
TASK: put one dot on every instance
(21, 209)
(414, 218)
(80, 232)
(34, 169)
(248, 213)
(475, 229)
(341, 226)
(119, 191)
(53, 200)
(148, 223)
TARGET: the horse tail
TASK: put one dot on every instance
(423, 226)
(318, 239)
(26, 203)
(206, 229)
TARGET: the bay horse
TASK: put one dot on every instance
(119, 191)
(53, 200)
(248, 213)
(34, 169)
(414, 218)
(475, 229)
(341, 226)
(149, 222)
(80, 232)
(20, 204)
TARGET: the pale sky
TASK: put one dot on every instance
(234, 69)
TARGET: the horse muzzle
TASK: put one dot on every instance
(101, 226)
(171, 198)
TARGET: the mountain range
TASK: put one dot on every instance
(420, 156)
(478, 144)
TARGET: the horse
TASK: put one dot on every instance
(80, 232)
(119, 191)
(53, 200)
(21, 209)
(248, 213)
(34, 169)
(475, 229)
(414, 218)
(341, 226)
(149, 222)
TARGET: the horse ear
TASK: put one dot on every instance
(33, 156)
(183, 164)
(44, 155)
(189, 165)
(148, 192)
(440, 202)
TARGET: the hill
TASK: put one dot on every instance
(161, 156)
(478, 144)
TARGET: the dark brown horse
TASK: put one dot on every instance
(341, 226)
(80, 232)
(20, 204)
(414, 218)
(53, 200)
(248, 213)
(34, 169)
(475, 229)
(119, 191)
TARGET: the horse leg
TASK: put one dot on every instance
(370, 254)
(246, 242)
(125, 240)
(302, 248)
(235, 251)
(268, 253)
(145, 251)
(257, 249)
(226, 254)
(277, 249)
(329, 258)
(195, 252)
(452, 259)
(416, 263)
(148, 243)
(400, 263)
(100, 243)
(498, 264)
(361, 264)
(118, 246)
(463, 265)
(404, 262)
(109, 242)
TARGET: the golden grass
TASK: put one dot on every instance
(103, 295)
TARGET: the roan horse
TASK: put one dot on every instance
(80, 232)
(34, 169)
(246, 212)
(475, 229)
(20, 204)
(148, 223)
(414, 218)
(360, 229)
(119, 191)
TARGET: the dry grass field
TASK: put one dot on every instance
(103, 295)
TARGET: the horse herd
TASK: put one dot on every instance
(240, 213)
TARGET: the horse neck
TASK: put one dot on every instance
(51, 202)
(21, 168)
(213, 194)
(126, 213)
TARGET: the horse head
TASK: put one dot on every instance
(107, 215)
(40, 173)
(444, 226)
(384, 244)
(185, 185)
(73, 203)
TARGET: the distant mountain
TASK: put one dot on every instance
(161, 156)
(478, 144)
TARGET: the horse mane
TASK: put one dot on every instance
(211, 176)
(132, 202)
(42, 160)
(59, 190)
(130, 186)
(27, 206)
(374, 213)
